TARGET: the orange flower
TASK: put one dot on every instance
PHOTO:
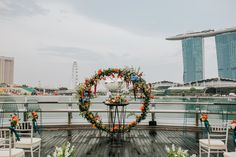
(233, 122)
(99, 71)
(115, 128)
(204, 117)
(93, 126)
(116, 70)
(132, 123)
(34, 115)
(86, 81)
(14, 120)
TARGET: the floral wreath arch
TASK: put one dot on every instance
(130, 77)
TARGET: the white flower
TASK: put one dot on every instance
(66, 149)
(173, 147)
(167, 149)
(173, 152)
(194, 155)
(233, 126)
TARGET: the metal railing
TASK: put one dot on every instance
(189, 110)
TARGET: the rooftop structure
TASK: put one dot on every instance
(203, 34)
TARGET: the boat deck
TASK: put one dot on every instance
(143, 142)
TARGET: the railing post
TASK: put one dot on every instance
(153, 122)
(196, 120)
(69, 113)
(26, 109)
(197, 114)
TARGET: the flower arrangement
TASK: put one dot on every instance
(34, 115)
(34, 120)
(118, 99)
(14, 120)
(233, 124)
(131, 77)
(66, 150)
(177, 152)
(204, 118)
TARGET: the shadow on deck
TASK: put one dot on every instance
(138, 143)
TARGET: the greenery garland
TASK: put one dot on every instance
(131, 77)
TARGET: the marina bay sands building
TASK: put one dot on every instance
(193, 53)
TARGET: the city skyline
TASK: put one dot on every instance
(45, 37)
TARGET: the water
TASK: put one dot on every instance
(55, 118)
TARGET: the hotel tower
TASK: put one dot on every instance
(193, 53)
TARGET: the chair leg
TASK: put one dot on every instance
(32, 153)
(200, 151)
(39, 150)
(208, 153)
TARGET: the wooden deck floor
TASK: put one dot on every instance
(139, 143)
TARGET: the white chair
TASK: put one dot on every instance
(6, 149)
(229, 154)
(27, 141)
(216, 141)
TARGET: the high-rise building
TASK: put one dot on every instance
(75, 79)
(226, 55)
(6, 70)
(193, 59)
(193, 53)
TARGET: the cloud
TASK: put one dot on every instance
(12, 8)
(151, 17)
(71, 52)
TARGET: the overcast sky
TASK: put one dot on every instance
(46, 36)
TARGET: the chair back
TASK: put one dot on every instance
(25, 130)
(219, 130)
(5, 140)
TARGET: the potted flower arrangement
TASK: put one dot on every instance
(14, 122)
(34, 120)
(177, 152)
(204, 118)
(117, 99)
(66, 150)
(233, 126)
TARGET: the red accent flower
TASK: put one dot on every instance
(86, 82)
(142, 108)
(99, 71)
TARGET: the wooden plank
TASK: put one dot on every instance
(138, 143)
